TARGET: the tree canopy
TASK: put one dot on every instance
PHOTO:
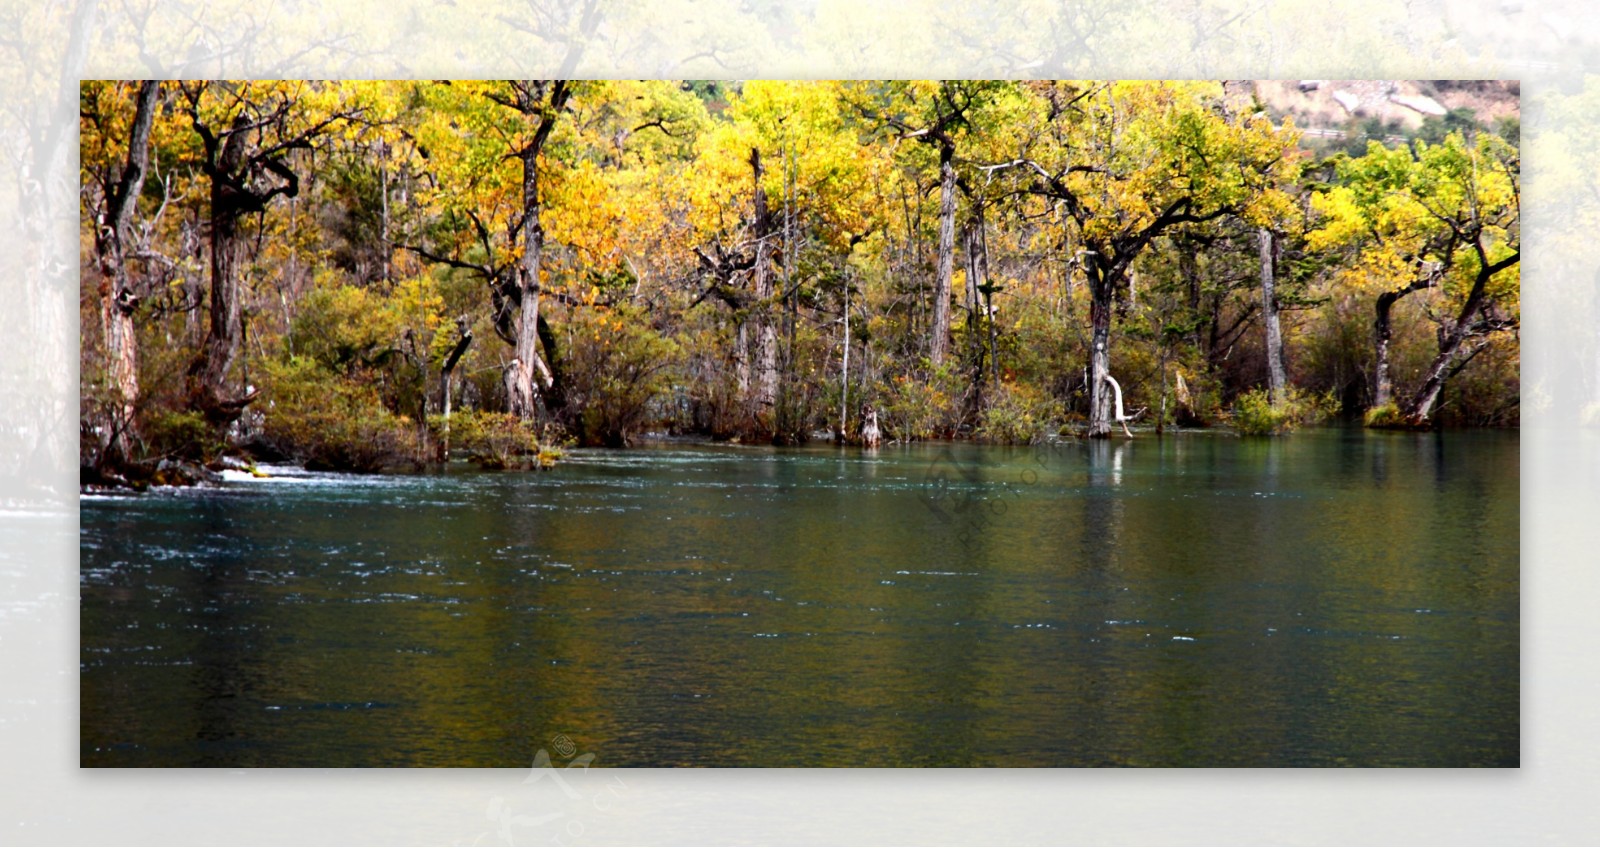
(370, 274)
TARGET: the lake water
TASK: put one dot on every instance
(1336, 597)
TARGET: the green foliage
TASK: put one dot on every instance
(1486, 393)
(493, 440)
(344, 327)
(353, 216)
(1509, 128)
(1383, 417)
(914, 409)
(181, 434)
(1461, 120)
(332, 423)
(653, 289)
(1254, 413)
(1017, 415)
(615, 367)
(1360, 133)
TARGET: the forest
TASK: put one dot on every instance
(387, 275)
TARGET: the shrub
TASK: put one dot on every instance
(1389, 417)
(495, 440)
(616, 365)
(915, 408)
(1254, 414)
(1385, 416)
(181, 434)
(332, 423)
(1016, 415)
(343, 328)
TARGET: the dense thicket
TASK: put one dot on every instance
(372, 274)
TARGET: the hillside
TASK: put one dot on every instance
(1401, 106)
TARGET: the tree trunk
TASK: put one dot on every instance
(1101, 288)
(445, 374)
(994, 342)
(1189, 270)
(1383, 332)
(939, 338)
(988, 305)
(1420, 407)
(229, 200)
(117, 297)
(528, 379)
(520, 380)
(972, 240)
(1444, 365)
(1277, 381)
(741, 358)
(766, 334)
(788, 429)
(844, 369)
(552, 373)
(1161, 365)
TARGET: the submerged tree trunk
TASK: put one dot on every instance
(1101, 289)
(1277, 381)
(117, 296)
(939, 335)
(1382, 333)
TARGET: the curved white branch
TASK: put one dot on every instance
(1116, 393)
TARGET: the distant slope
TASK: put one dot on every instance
(1321, 107)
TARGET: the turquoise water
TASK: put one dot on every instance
(1336, 597)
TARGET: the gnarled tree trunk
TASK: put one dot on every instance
(765, 355)
(1102, 285)
(1454, 350)
(520, 380)
(117, 296)
(231, 199)
(528, 377)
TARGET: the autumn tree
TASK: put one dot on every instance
(759, 260)
(943, 117)
(1128, 161)
(543, 193)
(249, 133)
(783, 190)
(1445, 219)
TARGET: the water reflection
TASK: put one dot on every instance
(1337, 597)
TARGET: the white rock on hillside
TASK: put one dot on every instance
(1425, 105)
